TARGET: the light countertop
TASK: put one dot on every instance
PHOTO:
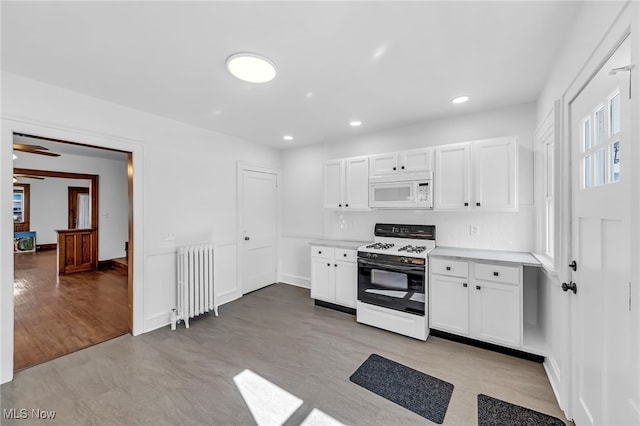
(344, 244)
(524, 258)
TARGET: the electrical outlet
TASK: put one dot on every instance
(170, 236)
(475, 230)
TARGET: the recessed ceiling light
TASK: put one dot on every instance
(459, 100)
(355, 123)
(251, 67)
(287, 138)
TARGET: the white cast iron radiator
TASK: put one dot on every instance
(195, 283)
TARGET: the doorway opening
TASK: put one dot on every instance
(74, 289)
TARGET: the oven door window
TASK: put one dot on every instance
(392, 286)
(388, 279)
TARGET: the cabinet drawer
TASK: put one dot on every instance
(497, 273)
(321, 251)
(455, 268)
(345, 255)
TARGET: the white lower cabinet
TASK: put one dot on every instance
(451, 312)
(334, 275)
(485, 304)
(495, 313)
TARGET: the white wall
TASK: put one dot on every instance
(184, 184)
(305, 218)
(49, 198)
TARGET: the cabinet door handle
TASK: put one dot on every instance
(466, 204)
(496, 274)
(477, 287)
(335, 264)
(448, 268)
(477, 204)
(344, 254)
(346, 205)
(339, 205)
(328, 264)
(465, 285)
(402, 167)
(394, 168)
(319, 252)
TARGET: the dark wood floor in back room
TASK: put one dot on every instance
(54, 317)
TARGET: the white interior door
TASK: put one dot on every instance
(604, 353)
(259, 221)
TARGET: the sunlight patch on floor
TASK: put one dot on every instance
(319, 418)
(269, 404)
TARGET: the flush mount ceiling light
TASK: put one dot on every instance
(287, 138)
(460, 100)
(355, 123)
(251, 67)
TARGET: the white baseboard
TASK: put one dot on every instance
(157, 321)
(553, 374)
(295, 280)
(227, 297)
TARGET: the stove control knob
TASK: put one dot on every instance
(404, 260)
(374, 255)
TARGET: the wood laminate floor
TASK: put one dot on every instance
(54, 317)
(223, 369)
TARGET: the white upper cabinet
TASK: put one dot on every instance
(383, 164)
(346, 184)
(356, 183)
(416, 160)
(477, 175)
(452, 178)
(495, 173)
(333, 184)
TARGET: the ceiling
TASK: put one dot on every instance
(385, 63)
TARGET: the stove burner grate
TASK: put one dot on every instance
(413, 249)
(381, 246)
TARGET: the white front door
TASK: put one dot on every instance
(259, 234)
(603, 349)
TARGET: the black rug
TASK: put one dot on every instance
(409, 388)
(495, 412)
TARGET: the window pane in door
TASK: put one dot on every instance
(614, 114)
(599, 130)
(615, 162)
(586, 171)
(600, 167)
(587, 135)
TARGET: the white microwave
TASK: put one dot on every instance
(397, 193)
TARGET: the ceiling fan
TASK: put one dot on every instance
(34, 149)
(17, 176)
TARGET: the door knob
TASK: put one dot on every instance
(573, 265)
(246, 238)
(571, 286)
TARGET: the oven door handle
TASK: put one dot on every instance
(392, 266)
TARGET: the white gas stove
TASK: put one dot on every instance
(392, 279)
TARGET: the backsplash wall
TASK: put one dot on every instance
(496, 230)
